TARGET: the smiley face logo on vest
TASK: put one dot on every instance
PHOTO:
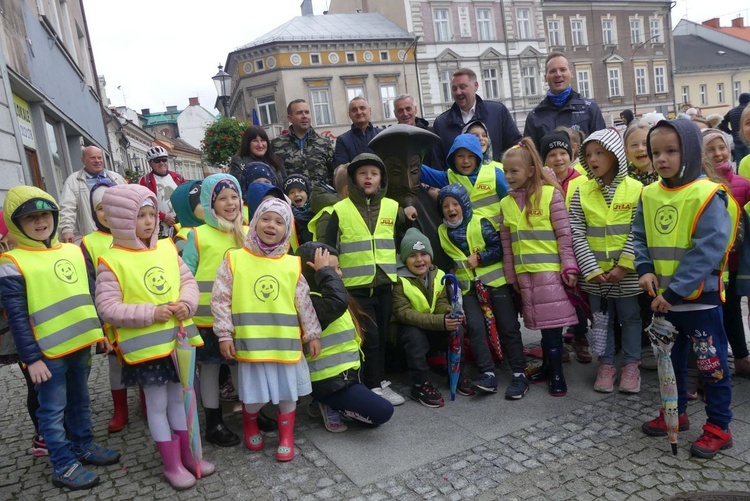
(156, 282)
(266, 288)
(665, 219)
(65, 271)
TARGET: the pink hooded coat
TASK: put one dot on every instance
(121, 206)
(545, 302)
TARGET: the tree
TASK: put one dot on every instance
(222, 140)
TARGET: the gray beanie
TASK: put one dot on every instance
(414, 241)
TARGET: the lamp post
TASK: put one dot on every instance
(635, 73)
(223, 82)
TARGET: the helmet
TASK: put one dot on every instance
(156, 152)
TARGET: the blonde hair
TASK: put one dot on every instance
(632, 128)
(713, 175)
(234, 227)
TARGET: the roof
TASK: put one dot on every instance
(164, 117)
(693, 53)
(360, 26)
(735, 31)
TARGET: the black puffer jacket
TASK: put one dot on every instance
(333, 300)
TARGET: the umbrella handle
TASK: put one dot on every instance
(181, 332)
(451, 282)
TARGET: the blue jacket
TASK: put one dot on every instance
(495, 116)
(578, 112)
(353, 142)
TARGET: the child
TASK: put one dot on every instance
(54, 323)
(538, 255)
(363, 228)
(717, 152)
(419, 307)
(297, 189)
(485, 184)
(679, 261)
(335, 372)
(318, 224)
(261, 306)
(639, 164)
(186, 202)
(744, 167)
(601, 214)
(473, 244)
(204, 252)
(576, 137)
(478, 129)
(146, 293)
(258, 172)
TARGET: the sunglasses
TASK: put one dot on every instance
(159, 160)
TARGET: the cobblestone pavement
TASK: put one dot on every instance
(592, 449)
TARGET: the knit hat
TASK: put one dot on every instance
(744, 98)
(711, 134)
(224, 184)
(194, 195)
(553, 140)
(257, 170)
(296, 181)
(365, 159)
(414, 241)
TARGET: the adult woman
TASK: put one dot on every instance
(256, 147)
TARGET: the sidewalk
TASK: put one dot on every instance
(583, 446)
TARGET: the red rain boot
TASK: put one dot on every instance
(285, 451)
(175, 473)
(120, 416)
(188, 460)
(253, 438)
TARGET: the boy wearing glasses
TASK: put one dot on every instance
(162, 182)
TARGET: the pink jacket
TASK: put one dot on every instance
(121, 205)
(740, 188)
(545, 302)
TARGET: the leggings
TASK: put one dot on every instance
(359, 403)
(165, 408)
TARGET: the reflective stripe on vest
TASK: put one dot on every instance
(339, 349)
(492, 275)
(483, 193)
(96, 243)
(62, 313)
(607, 228)
(266, 328)
(359, 250)
(312, 226)
(534, 244)
(149, 276)
(416, 297)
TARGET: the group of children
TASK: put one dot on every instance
(298, 301)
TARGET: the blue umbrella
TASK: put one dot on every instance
(454, 340)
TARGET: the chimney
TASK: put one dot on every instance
(738, 22)
(171, 109)
(712, 23)
(194, 101)
(145, 111)
(306, 8)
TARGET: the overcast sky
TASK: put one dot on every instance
(156, 53)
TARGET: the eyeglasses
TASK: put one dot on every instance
(160, 160)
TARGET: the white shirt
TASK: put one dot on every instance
(466, 116)
(165, 186)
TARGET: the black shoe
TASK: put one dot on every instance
(427, 395)
(517, 389)
(487, 383)
(222, 436)
(265, 423)
(557, 385)
(464, 386)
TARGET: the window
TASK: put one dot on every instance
(578, 32)
(523, 17)
(654, 25)
(641, 82)
(614, 82)
(554, 32)
(321, 106)
(736, 90)
(267, 110)
(56, 140)
(354, 91)
(387, 95)
(484, 24)
(720, 92)
(259, 65)
(702, 91)
(351, 57)
(445, 85)
(529, 80)
(636, 30)
(685, 94)
(491, 86)
(442, 25)
(608, 31)
(583, 77)
(384, 55)
(660, 79)
(314, 58)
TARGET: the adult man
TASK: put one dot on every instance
(467, 106)
(75, 206)
(731, 125)
(406, 112)
(354, 141)
(563, 105)
(162, 182)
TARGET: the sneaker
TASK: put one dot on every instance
(39, 446)
(658, 427)
(713, 440)
(75, 477)
(427, 395)
(630, 379)
(228, 393)
(387, 393)
(648, 360)
(487, 383)
(605, 378)
(517, 389)
(464, 386)
(332, 419)
(97, 455)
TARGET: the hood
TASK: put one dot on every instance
(255, 194)
(457, 191)
(610, 140)
(14, 200)
(306, 252)
(468, 142)
(692, 150)
(121, 205)
(487, 156)
(95, 198)
(709, 135)
(181, 204)
(356, 194)
(207, 190)
(253, 243)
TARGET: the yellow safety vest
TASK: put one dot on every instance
(183, 232)
(246, 213)
(212, 245)
(581, 169)
(339, 349)
(149, 276)
(61, 311)
(417, 299)
(534, 243)
(607, 228)
(360, 250)
(492, 275)
(96, 243)
(573, 185)
(670, 216)
(266, 328)
(496, 164)
(483, 193)
(312, 226)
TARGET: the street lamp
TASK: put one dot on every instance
(223, 82)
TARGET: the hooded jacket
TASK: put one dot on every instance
(91, 263)
(181, 205)
(149, 181)
(487, 155)
(121, 205)
(404, 312)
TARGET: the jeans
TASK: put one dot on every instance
(629, 317)
(359, 402)
(64, 404)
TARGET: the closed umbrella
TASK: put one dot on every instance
(454, 340)
(596, 335)
(485, 303)
(663, 334)
(184, 358)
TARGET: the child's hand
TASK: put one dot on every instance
(599, 279)
(570, 279)
(320, 259)
(162, 313)
(660, 305)
(452, 324)
(227, 349)
(411, 213)
(649, 283)
(313, 348)
(473, 261)
(39, 373)
(105, 345)
(180, 310)
(616, 274)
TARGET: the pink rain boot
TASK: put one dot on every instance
(175, 473)
(188, 461)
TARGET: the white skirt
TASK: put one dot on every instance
(262, 382)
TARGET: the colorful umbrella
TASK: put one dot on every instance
(454, 341)
(184, 358)
(662, 334)
(485, 302)
(596, 335)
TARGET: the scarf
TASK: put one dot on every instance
(559, 99)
